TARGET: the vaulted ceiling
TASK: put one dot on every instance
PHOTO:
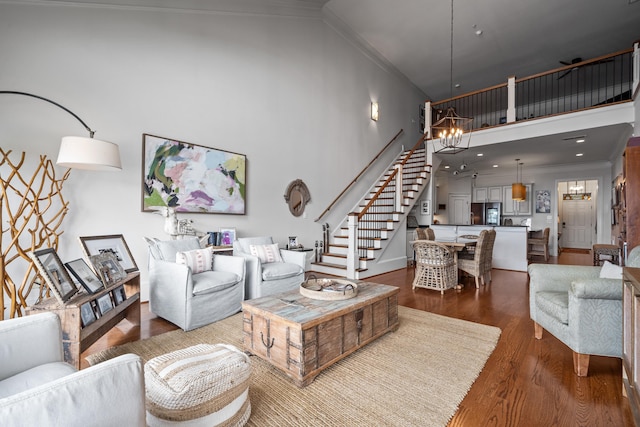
(492, 40)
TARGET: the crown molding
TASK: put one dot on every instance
(290, 8)
(340, 27)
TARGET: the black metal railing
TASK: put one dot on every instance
(588, 84)
(488, 107)
(600, 81)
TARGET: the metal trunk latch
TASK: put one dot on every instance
(267, 343)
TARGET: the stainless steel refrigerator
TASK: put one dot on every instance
(486, 213)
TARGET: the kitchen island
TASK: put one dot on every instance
(509, 250)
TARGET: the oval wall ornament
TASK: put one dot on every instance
(297, 196)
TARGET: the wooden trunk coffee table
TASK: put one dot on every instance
(302, 336)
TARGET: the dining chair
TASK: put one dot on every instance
(476, 265)
(539, 246)
(488, 260)
(425, 234)
(435, 266)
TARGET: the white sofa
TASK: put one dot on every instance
(37, 388)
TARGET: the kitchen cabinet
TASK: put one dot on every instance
(487, 194)
(512, 208)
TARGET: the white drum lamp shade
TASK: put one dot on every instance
(88, 153)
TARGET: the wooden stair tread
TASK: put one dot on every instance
(341, 267)
(341, 256)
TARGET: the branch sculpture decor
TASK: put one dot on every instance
(34, 206)
(32, 209)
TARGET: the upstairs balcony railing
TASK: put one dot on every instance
(597, 82)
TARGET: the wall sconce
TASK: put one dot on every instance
(374, 111)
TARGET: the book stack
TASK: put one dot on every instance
(215, 238)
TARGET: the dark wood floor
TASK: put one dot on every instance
(525, 382)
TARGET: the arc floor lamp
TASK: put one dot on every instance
(33, 208)
(80, 152)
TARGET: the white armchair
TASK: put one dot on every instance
(271, 277)
(191, 300)
(37, 388)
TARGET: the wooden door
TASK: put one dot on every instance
(577, 224)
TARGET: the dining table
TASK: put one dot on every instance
(459, 244)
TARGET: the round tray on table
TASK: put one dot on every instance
(329, 289)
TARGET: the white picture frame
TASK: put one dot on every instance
(425, 207)
(227, 236)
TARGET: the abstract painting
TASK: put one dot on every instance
(191, 178)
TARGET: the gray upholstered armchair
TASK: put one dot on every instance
(269, 272)
(202, 289)
(37, 388)
(579, 307)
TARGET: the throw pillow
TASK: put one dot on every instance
(198, 260)
(610, 271)
(266, 253)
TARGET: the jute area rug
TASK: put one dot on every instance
(416, 376)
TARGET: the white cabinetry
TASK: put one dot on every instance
(512, 208)
(487, 194)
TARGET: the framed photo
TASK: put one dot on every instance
(191, 178)
(87, 315)
(119, 295)
(85, 275)
(227, 236)
(543, 201)
(425, 207)
(115, 244)
(108, 268)
(54, 274)
(293, 242)
(104, 304)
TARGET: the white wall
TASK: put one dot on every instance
(289, 92)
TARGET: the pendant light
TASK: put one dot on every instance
(450, 129)
(518, 190)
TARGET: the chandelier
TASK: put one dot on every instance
(450, 129)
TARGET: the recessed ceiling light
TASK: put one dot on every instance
(479, 154)
(495, 166)
(579, 155)
(447, 166)
(579, 141)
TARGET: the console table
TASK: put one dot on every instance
(75, 338)
(222, 250)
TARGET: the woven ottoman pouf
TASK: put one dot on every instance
(203, 385)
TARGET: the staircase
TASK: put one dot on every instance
(376, 220)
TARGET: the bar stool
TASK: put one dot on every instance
(603, 253)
